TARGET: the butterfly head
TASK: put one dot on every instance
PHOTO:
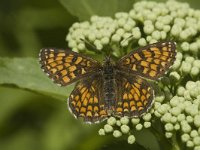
(107, 60)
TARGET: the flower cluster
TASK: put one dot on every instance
(182, 113)
(177, 102)
(124, 125)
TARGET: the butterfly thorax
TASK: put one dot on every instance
(109, 84)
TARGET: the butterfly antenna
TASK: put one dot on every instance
(90, 46)
(127, 39)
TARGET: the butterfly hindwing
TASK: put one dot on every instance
(65, 66)
(151, 61)
(86, 100)
(135, 96)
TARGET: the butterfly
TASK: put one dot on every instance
(109, 88)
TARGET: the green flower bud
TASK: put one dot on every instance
(180, 91)
(153, 41)
(102, 132)
(147, 124)
(139, 127)
(159, 25)
(179, 56)
(174, 101)
(197, 148)
(124, 120)
(116, 38)
(173, 119)
(184, 35)
(163, 108)
(135, 121)
(121, 22)
(98, 35)
(81, 46)
(160, 98)
(177, 127)
(125, 129)
(118, 123)
(166, 28)
(105, 40)
(186, 128)
(194, 47)
(148, 29)
(185, 137)
(189, 59)
(189, 144)
(168, 134)
(192, 110)
(120, 31)
(136, 33)
(196, 63)
(157, 114)
(180, 22)
(169, 127)
(163, 35)
(176, 64)
(127, 27)
(72, 43)
(117, 133)
(92, 37)
(124, 43)
(193, 133)
(156, 35)
(166, 117)
(151, 16)
(197, 121)
(187, 96)
(147, 117)
(176, 30)
(194, 71)
(98, 44)
(186, 67)
(181, 117)
(189, 119)
(194, 92)
(185, 46)
(131, 139)
(108, 128)
(175, 111)
(142, 42)
(174, 76)
(111, 121)
(196, 141)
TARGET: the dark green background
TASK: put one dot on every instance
(37, 117)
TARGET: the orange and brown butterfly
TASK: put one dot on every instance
(109, 88)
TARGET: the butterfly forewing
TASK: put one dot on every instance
(135, 96)
(151, 61)
(66, 66)
(86, 100)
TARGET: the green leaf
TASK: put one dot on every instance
(84, 9)
(26, 73)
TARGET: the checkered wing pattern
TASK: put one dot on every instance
(66, 66)
(135, 96)
(151, 61)
(86, 101)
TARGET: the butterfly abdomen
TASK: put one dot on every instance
(109, 86)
